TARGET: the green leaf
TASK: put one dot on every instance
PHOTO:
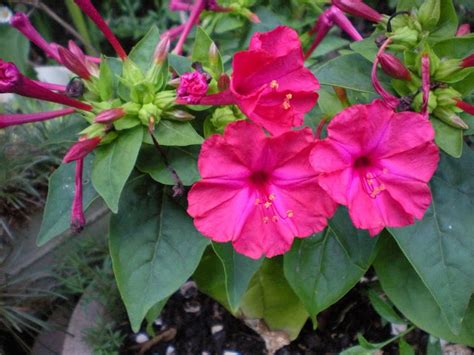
(448, 138)
(407, 5)
(142, 53)
(155, 248)
(106, 80)
(331, 43)
(202, 44)
(329, 102)
(405, 348)
(351, 71)
(182, 159)
(407, 291)
(383, 308)
(457, 47)
(238, 269)
(57, 212)
(434, 346)
(180, 64)
(323, 268)
(358, 350)
(365, 48)
(113, 165)
(269, 297)
(14, 47)
(447, 24)
(441, 246)
(172, 133)
(153, 314)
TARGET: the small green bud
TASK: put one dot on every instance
(94, 130)
(223, 116)
(165, 99)
(131, 108)
(446, 97)
(418, 102)
(429, 14)
(147, 111)
(449, 117)
(405, 36)
(447, 68)
(179, 115)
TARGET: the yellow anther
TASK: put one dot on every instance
(275, 219)
(271, 197)
(382, 187)
(274, 84)
(265, 220)
(257, 201)
(370, 176)
(267, 204)
(290, 213)
(286, 103)
(289, 96)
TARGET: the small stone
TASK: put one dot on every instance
(230, 352)
(397, 328)
(216, 328)
(170, 350)
(141, 338)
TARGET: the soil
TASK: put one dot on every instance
(193, 315)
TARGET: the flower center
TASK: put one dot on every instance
(370, 174)
(259, 178)
(362, 162)
(270, 210)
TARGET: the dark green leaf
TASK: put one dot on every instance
(269, 297)
(173, 133)
(441, 246)
(57, 212)
(238, 269)
(182, 159)
(384, 308)
(448, 22)
(323, 268)
(14, 47)
(405, 348)
(180, 64)
(201, 48)
(142, 53)
(407, 291)
(448, 138)
(456, 47)
(113, 165)
(154, 246)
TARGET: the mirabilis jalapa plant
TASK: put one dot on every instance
(263, 184)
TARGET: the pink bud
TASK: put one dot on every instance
(464, 29)
(321, 28)
(224, 82)
(10, 77)
(465, 106)
(468, 62)
(394, 67)
(110, 115)
(7, 120)
(192, 87)
(389, 99)
(22, 23)
(173, 33)
(162, 50)
(358, 8)
(93, 14)
(344, 24)
(73, 63)
(78, 219)
(80, 149)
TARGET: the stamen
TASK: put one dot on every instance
(274, 84)
(257, 201)
(268, 204)
(271, 197)
(274, 219)
(290, 213)
(286, 102)
(266, 219)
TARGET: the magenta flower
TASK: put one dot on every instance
(7, 120)
(269, 82)
(258, 192)
(93, 14)
(358, 8)
(377, 163)
(192, 87)
(12, 81)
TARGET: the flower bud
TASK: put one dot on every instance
(131, 108)
(449, 117)
(250, 15)
(213, 55)
(223, 83)
(359, 9)
(465, 106)
(80, 149)
(192, 87)
(222, 116)
(392, 66)
(179, 115)
(447, 68)
(463, 30)
(468, 62)
(73, 63)
(165, 99)
(162, 50)
(418, 103)
(110, 115)
(406, 36)
(147, 111)
(446, 97)
(429, 14)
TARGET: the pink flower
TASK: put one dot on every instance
(80, 149)
(12, 81)
(258, 192)
(358, 8)
(270, 83)
(192, 87)
(377, 163)
(110, 115)
(7, 120)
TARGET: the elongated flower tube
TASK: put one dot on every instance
(391, 100)
(358, 8)
(73, 63)
(22, 23)
(193, 17)
(7, 120)
(466, 107)
(51, 86)
(393, 66)
(12, 81)
(173, 32)
(179, 5)
(94, 15)
(344, 23)
(110, 115)
(425, 78)
(468, 62)
(463, 30)
(78, 219)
